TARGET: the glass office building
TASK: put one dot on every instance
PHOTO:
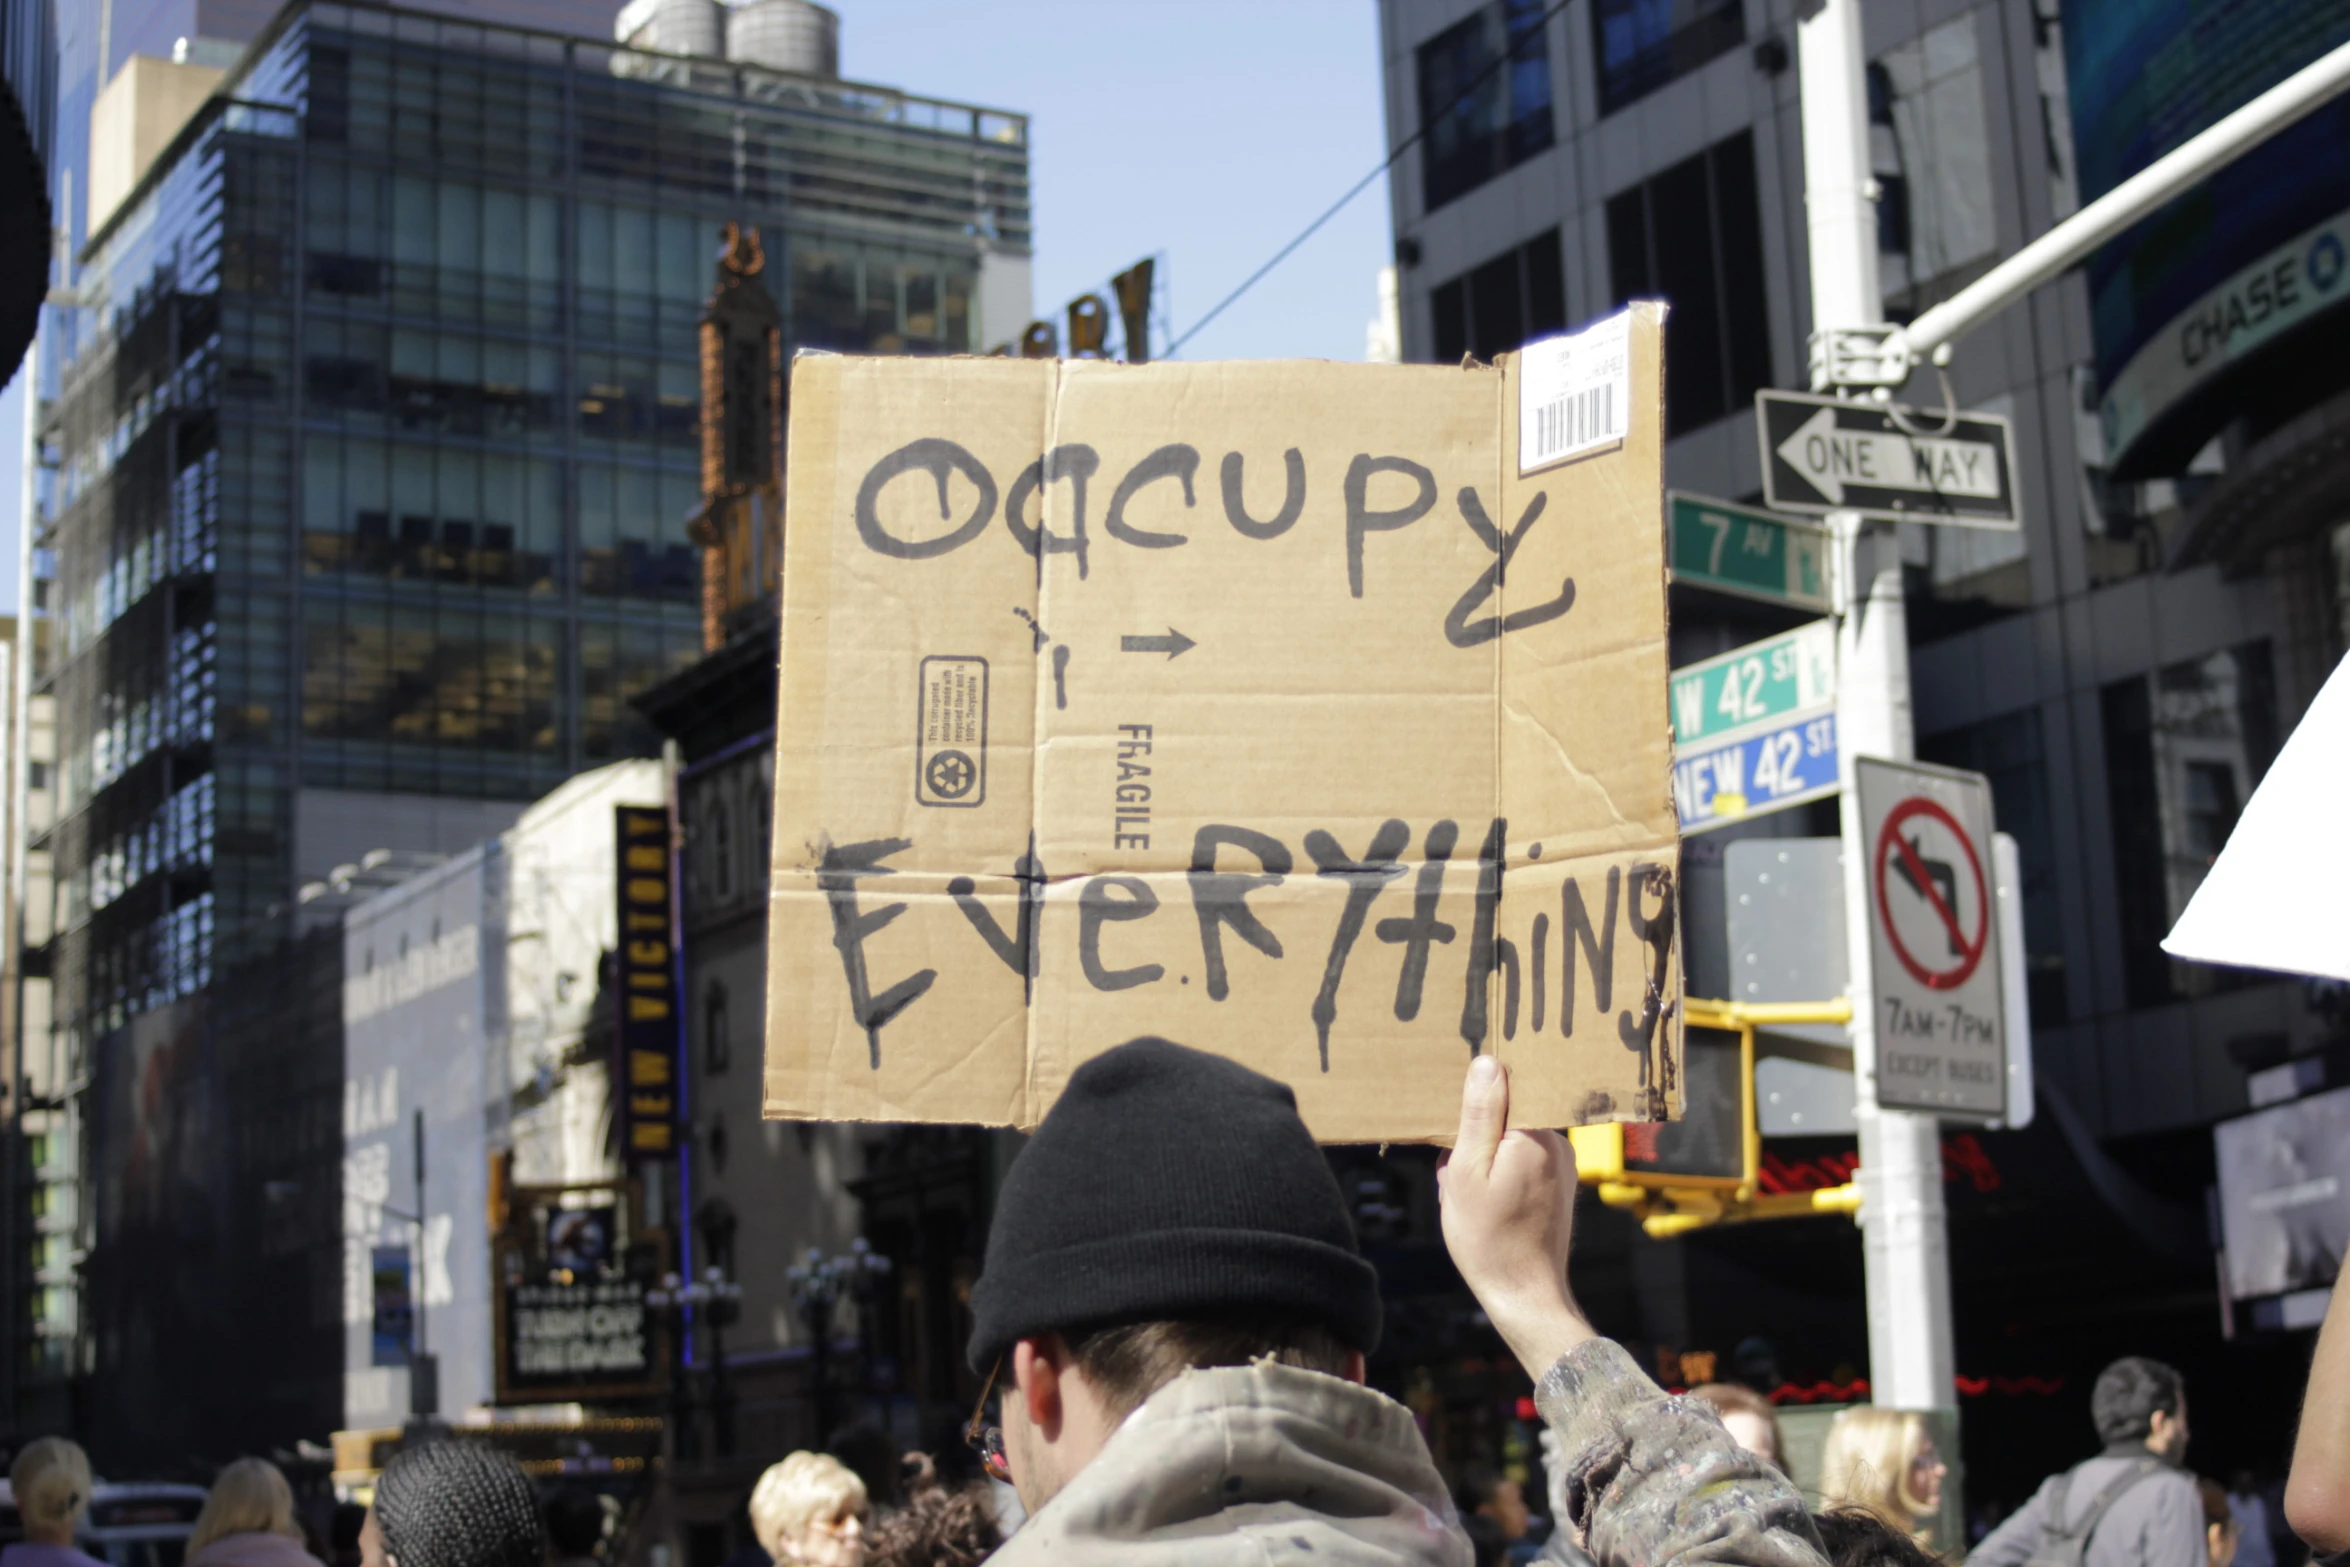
(367, 485)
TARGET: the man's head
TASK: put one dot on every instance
(1172, 1212)
(2141, 1400)
(1485, 1492)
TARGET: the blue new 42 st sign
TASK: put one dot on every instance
(1766, 769)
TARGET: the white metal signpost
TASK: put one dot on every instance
(1855, 351)
(1821, 454)
(1754, 730)
(1940, 1004)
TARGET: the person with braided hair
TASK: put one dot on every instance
(453, 1504)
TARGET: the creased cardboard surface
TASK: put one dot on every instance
(1191, 700)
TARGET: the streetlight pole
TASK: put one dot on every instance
(1903, 1230)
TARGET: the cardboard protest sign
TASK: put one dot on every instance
(1309, 713)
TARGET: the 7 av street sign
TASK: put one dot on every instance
(1737, 549)
(1823, 454)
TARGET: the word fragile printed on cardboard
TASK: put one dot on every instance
(1308, 713)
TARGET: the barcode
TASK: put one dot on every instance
(1577, 420)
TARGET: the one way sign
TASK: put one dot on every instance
(1824, 454)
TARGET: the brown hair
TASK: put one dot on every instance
(1856, 1537)
(938, 1528)
(1728, 1398)
(2215, 1502)
(1128, 1363)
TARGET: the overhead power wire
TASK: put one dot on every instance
(1508, 54)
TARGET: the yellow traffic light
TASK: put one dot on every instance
(1702, 1169)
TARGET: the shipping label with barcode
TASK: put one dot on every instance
(1574, 393)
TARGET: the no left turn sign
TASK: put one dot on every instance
(1935, 994)
(1928, 870)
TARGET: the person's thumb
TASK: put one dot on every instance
(1485, 1114)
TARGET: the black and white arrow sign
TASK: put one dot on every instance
(1822, 454)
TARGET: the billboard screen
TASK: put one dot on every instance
(2143, 77)
(422, 974)
(2284, 1194)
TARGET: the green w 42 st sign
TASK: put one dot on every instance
(1772, 679)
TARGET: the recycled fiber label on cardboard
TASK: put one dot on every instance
(950, 752)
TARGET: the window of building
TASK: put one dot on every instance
(616, 661)
(2184, 748)
(1930, 149)
(1643, 44)
(1516, 297)
(632, 533)
(717, 1047)
(1483, 117)
(1693, 236)
(854, 300)
(2008, 751)
(459, 675)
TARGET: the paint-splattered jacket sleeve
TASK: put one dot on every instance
(1654, 1481)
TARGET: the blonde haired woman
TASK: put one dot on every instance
(1883, 1461)
(811, 1508)
(51, 1483)
(248, 1521)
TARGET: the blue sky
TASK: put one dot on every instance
(1207, 132)
(1210, 130)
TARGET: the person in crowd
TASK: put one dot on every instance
(939, 1526)
(2254, 1547)
(2317, 1493)
(2220, 1533)
(1487, 1545)
(1883, 1461)
(1485, 1492)
(51, 1483)
(453, 1504)
(1180, 1341)
(811, 1508)
(1750, 1418)
(248, 1521)
(2131, 1505)
(1493, 1512)
(342, 1534)
(575, 1526)
(1860, 1537)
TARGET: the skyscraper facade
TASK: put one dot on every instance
(372, 468)
(2121, 666)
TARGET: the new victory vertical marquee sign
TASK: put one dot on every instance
(647, 993)
(1309, 713)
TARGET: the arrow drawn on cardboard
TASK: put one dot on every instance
(1174, 644)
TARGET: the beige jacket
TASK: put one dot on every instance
(1252, 1464)
(1266, 1463)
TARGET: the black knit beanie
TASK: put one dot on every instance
(455, 1504)
(1168, 1183)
